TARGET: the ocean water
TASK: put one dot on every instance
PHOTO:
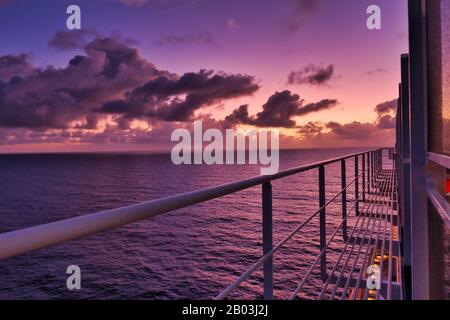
(192, 253)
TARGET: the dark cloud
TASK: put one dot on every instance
(120, 58)
(197, 38)
(317, 106)
(386, 107)
(386, 112)
(15, 66)
(54, 98)
(177, 99)
(73, 39)
(238, 116)
(312, 74)
(110, 81)
(278, 111)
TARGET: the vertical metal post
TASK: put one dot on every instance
(381, 159)
(372, 165)
(364, 177)
(323, 234)
(344, 199)
(267, 239)
(374, 168)
(418, 134)
(369, 176)
(376, 164)
(378, 160)
(405, 163)
(356, 186)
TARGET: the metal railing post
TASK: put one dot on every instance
(369, 176)
(376, 166)
(356, 186)
(364, 177)
(372, 169)
(380, 159)
(344, 199)
(323, 234)
(267, 239)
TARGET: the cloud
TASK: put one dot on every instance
(278, 111)
(299, 12)
(74, 39)
(376, 71)
(333, 134)
(134, 3)
(312, 75)
(232, 25)
(317, 106)
(110, 80)
(140, 3)
(387, 122)
(387, 107)
(355, 131)
(311, 129)
(386, 112)
(352, 131)
(110, 137)
(15, 66)
(189, 38)
(177, 99)
(54, 98)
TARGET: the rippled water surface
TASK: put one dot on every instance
(192, 253)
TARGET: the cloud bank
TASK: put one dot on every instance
(111, 94)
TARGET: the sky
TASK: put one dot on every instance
(137, 70)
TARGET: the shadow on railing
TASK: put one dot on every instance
(38, 237)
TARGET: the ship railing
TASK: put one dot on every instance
(436, 197)
(19, 242)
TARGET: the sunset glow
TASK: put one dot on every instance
(137, 71)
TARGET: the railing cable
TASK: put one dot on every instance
(264, 258)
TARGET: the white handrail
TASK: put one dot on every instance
(38, 237)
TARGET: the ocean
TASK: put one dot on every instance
(192, 253)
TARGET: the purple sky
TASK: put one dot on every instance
(134, 72)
